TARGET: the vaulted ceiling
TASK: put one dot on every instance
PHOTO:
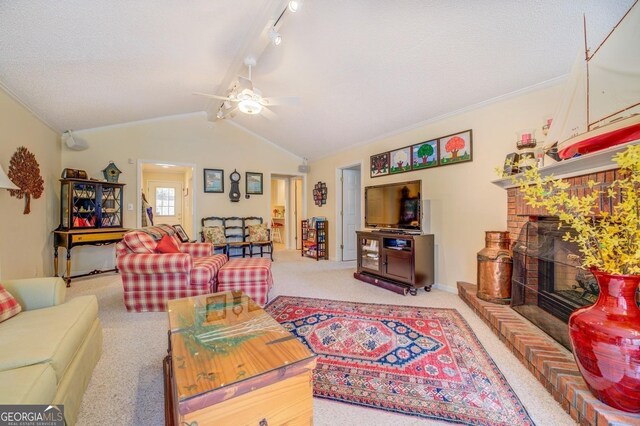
(362, 68)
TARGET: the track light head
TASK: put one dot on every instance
(275, 37)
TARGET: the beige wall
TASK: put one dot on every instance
(184, 139)
(464, 202)
(26, 242)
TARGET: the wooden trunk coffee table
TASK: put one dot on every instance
(231, 363)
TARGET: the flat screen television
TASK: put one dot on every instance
(393, 206)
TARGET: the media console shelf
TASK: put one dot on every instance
(398, 262)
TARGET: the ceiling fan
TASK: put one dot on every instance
(248, 99)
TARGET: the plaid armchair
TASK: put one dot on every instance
(150, 279)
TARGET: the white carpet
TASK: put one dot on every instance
(127, 385)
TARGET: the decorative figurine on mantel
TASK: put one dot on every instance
(111, 173)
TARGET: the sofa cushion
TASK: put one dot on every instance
(9, 306)
(167, 245)
(47, 336)
(214, 235)
(34, 384)
(140, 242)
(205, 269)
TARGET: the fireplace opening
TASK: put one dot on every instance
(547, 283)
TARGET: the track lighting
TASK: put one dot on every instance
(294, 5)
(275, 37)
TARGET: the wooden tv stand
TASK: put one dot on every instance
(396, 261)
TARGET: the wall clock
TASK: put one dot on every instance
(234, 194)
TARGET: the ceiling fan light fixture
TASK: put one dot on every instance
(249, 106)
(275, 37)
(220, 114)
(295, 5)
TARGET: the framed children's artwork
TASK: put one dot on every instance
(254, 183)
(456, 148)
(214, 180)
(379, 165)
(180, 232)
(424, 155)
(400, 160)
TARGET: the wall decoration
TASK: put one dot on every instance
(111, 172)
(24, 172)
(320, 194)
(456, 148)
(214, 180)
(424, 155)
(379, 165)
(234, 193)
(253, 183)
(400, 160)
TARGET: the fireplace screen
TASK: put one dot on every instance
(547, 283)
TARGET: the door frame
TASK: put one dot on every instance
(288, 211)
(193, 186)
(339, 237)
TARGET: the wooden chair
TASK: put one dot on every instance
(214, 221)
(237, 236)
(254, 220)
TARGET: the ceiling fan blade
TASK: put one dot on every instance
(207, 95)
(281, 100)
(268, 114)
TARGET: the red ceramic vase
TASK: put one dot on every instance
(606, 342)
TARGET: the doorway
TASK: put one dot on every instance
(287, 210)
(349, 208)
(168, 190)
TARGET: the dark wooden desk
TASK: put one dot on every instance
(80, 237)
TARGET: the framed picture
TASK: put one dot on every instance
(214, 180)
(254, 183)
(424, 155)
(400, 160)
(456, 148)
(379, 165)
(181, 233)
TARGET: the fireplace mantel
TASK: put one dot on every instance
(592, 163)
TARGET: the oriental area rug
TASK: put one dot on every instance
(424, 362)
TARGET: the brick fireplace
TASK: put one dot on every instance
(548, 360)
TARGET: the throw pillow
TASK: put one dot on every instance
(9, 306)
(258, 233)
(214, 235)
(167, 245)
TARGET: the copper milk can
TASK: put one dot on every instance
(495, 264)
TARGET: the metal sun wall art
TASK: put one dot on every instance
(442, 151)
(320, 194)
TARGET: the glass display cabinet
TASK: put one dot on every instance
(90, 204)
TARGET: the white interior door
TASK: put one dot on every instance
(166, 199)
(350, 212)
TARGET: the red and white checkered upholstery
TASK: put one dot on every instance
(150, 279)
(9, 306)
(252, 275)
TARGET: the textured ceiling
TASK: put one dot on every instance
(363, 68)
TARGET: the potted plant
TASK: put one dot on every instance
(605, 337)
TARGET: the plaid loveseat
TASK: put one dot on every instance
(150, 279)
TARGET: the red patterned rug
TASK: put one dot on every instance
(423, 362)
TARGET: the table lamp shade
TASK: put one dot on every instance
(5, 182)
